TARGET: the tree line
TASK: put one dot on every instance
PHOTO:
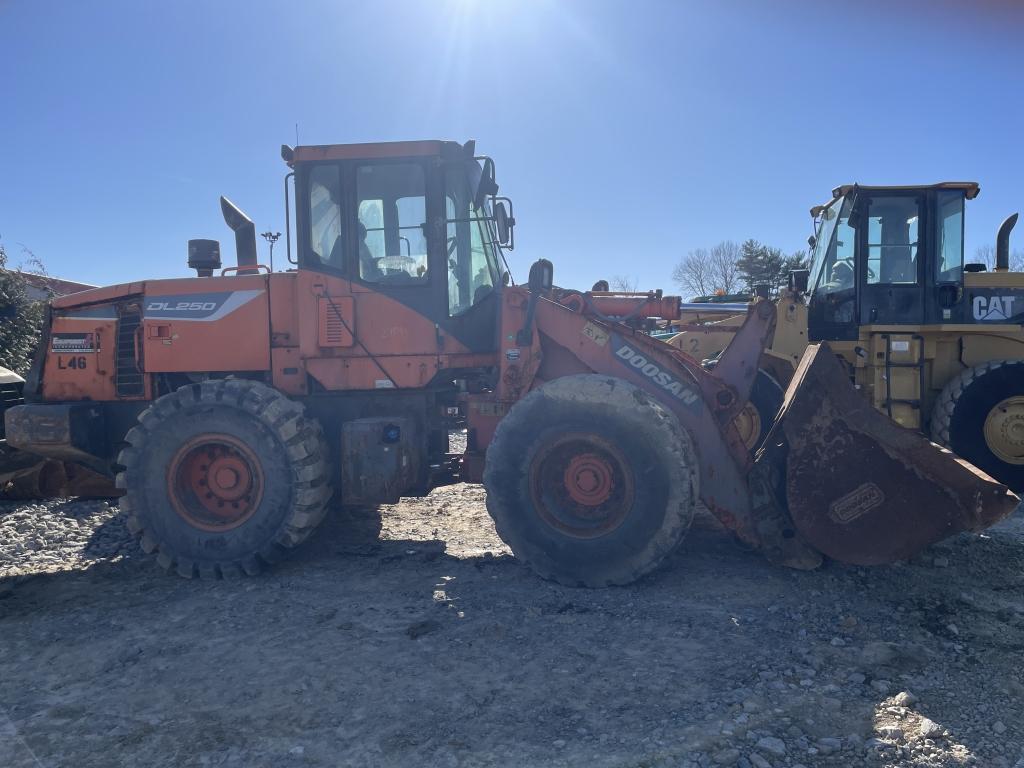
(728, 268)
(986, 254)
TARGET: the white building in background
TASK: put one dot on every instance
(45, 287)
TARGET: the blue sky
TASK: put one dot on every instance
(627, 133)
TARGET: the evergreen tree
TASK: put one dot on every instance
(20, 319)
(796, 260)
(762, 265)
(759, 265)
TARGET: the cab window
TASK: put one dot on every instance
(391, 223)
(326, 241)
(839, 265)
(471, 250)
(892, 234)
(834, 265)
(950, 262)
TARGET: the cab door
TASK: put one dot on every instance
(397, 274)
(891, 258)
(832, 302)
(945, 282)
(473, 272)
(369, 288)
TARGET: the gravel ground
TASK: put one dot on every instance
(410, 637)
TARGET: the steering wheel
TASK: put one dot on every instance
(396, 276)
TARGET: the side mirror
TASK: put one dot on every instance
(812, 241)
(504, 222)
(798, 279)
(501, 222)
(486, 186)
(542, 277)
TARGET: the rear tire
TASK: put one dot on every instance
(980, 417)
(223, 477)
(591, 482)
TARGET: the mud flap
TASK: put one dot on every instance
(858, 487)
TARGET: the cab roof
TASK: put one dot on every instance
(970, 189)
(380, 149)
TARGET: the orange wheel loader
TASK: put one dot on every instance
(233, 406)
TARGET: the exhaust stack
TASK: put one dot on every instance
(1003, 243)
(245, 236)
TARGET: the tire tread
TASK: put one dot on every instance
(304, 444)
(957, 390)
(608, 393)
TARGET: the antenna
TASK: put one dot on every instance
(296, 134)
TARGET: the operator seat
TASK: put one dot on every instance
(337, 257)
(897, 265)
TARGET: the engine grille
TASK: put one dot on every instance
(128, 380)
(336, 320)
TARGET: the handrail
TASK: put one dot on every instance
(238, 268)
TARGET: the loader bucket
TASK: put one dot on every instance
(862, 489)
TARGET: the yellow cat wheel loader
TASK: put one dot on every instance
(233, 406)
(934, 343)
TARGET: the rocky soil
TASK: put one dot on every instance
(412, 638)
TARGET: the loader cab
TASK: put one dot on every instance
(409, 221)
(887, 256)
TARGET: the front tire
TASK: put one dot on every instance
(755, 421)
(223, 477)
(980, 417)
(590, 481)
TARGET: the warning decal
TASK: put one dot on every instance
(73, 343)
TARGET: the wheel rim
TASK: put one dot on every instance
(1004, 430)
(748, 424)
(215, 482)
(581, 485)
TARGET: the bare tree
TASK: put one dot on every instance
(704, 272)
(693, 273)
(623, 284)
(725, 276)
(986, 254)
